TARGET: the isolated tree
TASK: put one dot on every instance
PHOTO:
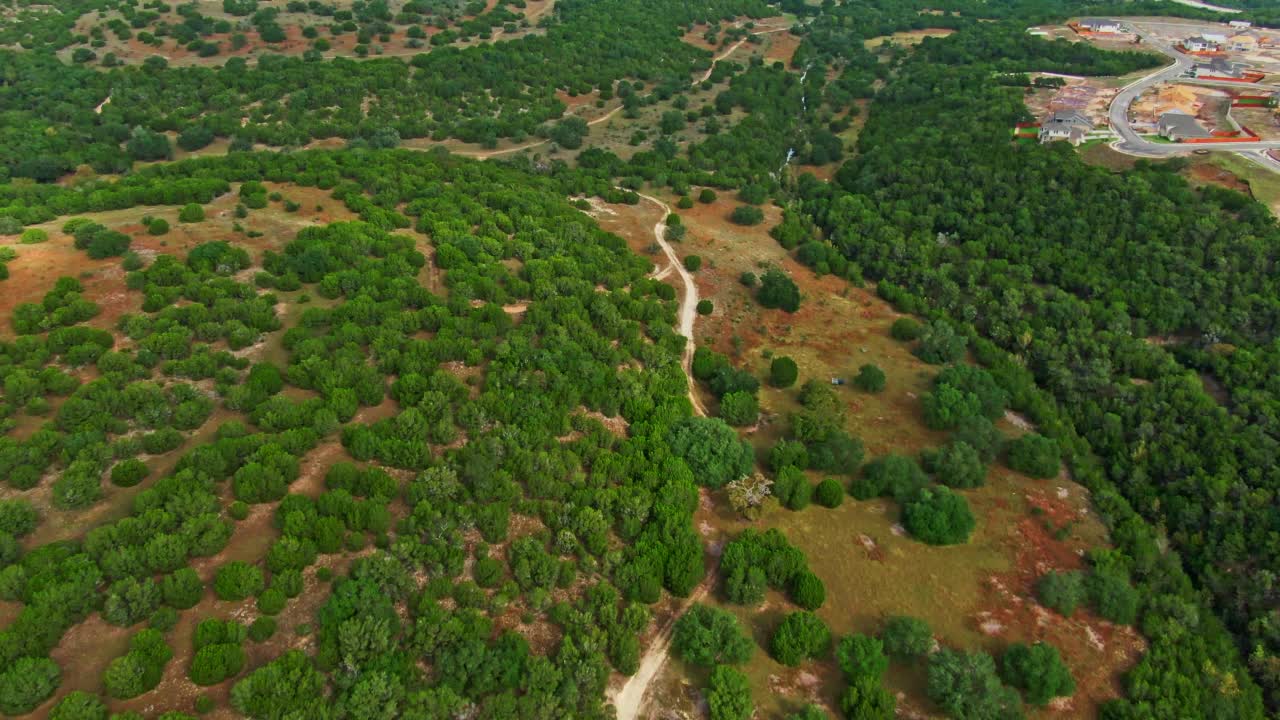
(828, 493)
(777, 290)
(870, 378)
(190, 213)
(783, 372)
(966, 687)
(729, 694)
(938, 516)
(746, 215)
(861, 656)
(710, 636)
(1062, 592)
(906, 637)
(802, 635)
(1038, 671)
(894, 475)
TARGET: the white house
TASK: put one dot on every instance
(1099, 25)
(1065, 125)
(1240, 24)
(1198, 43)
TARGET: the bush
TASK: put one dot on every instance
(712, 449)
(79, 705)
(271, 601)
(828, 493)
(980, 434)
(965, 685)
(729, 694)
(906, 329)
(740, 409)
(685, 203)
(946, 406)
(783, 372)
(792, 488)
(1038, 671)
(705, 307)
(861, 658)
(262, 629)
(870, 379)
(938, 516)
(748, 278)
(807, 590)
(692, 263)
(956, 465)
(18, 517)
(778, 291)
(129, 472)
(214, 663)
(706, 196)
(10, 225)
(160, 226)
(907, 637)
(802, 635)
(746, 215)
(237, 580)
(710, 636)
(1113, 596)
(33, 236)
(182, 589)
(893, 475)
(1061, 592)
(26, 683)
(190, 213)
(1035, 455)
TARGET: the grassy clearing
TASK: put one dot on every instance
(1263, 184)
(977, 595)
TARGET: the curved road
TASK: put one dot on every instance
(1133, 144)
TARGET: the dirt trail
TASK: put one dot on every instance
(688, 305)
(629, 700)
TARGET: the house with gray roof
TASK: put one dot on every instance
(1175, 125)
(1066, 125)
(1219, 67)
(1099, 25)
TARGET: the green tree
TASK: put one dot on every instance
(79, 705)
(907, 637)
(712, 449)
(867, 699)
(710, 636)
(861, 656)
(783, 372)
(26, 683)
(828, 493)
(740, 409)
(802, 635)
(906, 329)
(777, 290)
(894, 475)
(1035, 455)
(729, 694)
(1038, 671)
(746, 215)
(237, 580)
(941, 344)
(956, 465)
(938, 516)
(190, 213)
(1062, 592)
(870, 378)
(966, 686)
(946, 406)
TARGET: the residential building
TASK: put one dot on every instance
(1197, 44)
(1240, 24)
(1180, 126)
(1215, 38)
(1219, 67)
(1065, 125)
(1099, 25)
(1243, 42)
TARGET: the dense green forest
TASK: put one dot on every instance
(474, 342)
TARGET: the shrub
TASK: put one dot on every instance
(182, 589)
(190, 213)
(1061, 592)
(692, 263)
(778, 291)
(746, 215)
(237, 580)
(907, 637)
(861, 657)
(783, 372)
(33, 236)
(1113, 597)
(129, 472)
(894, 475)
(938, 516)
(79, 705)
(956, 465)
(729, 694)
(870, 379)
(705, 307)
(807, 590)
(1035, 455)
(1038, 671)
(706, 196)
(828, 493)
(965, 685)
(792, 488)
(271, 601)
(262, 629)
(18, 517)
(802, 635)
(160, 226)
(710, 636)
(946, 406)
(906, 329)
(748, 278)
(980, 434)
(26, 683)
(685, 203)
(740, 409)
(10, 225)
(214, 663)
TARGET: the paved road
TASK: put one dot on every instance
(1133, 144)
